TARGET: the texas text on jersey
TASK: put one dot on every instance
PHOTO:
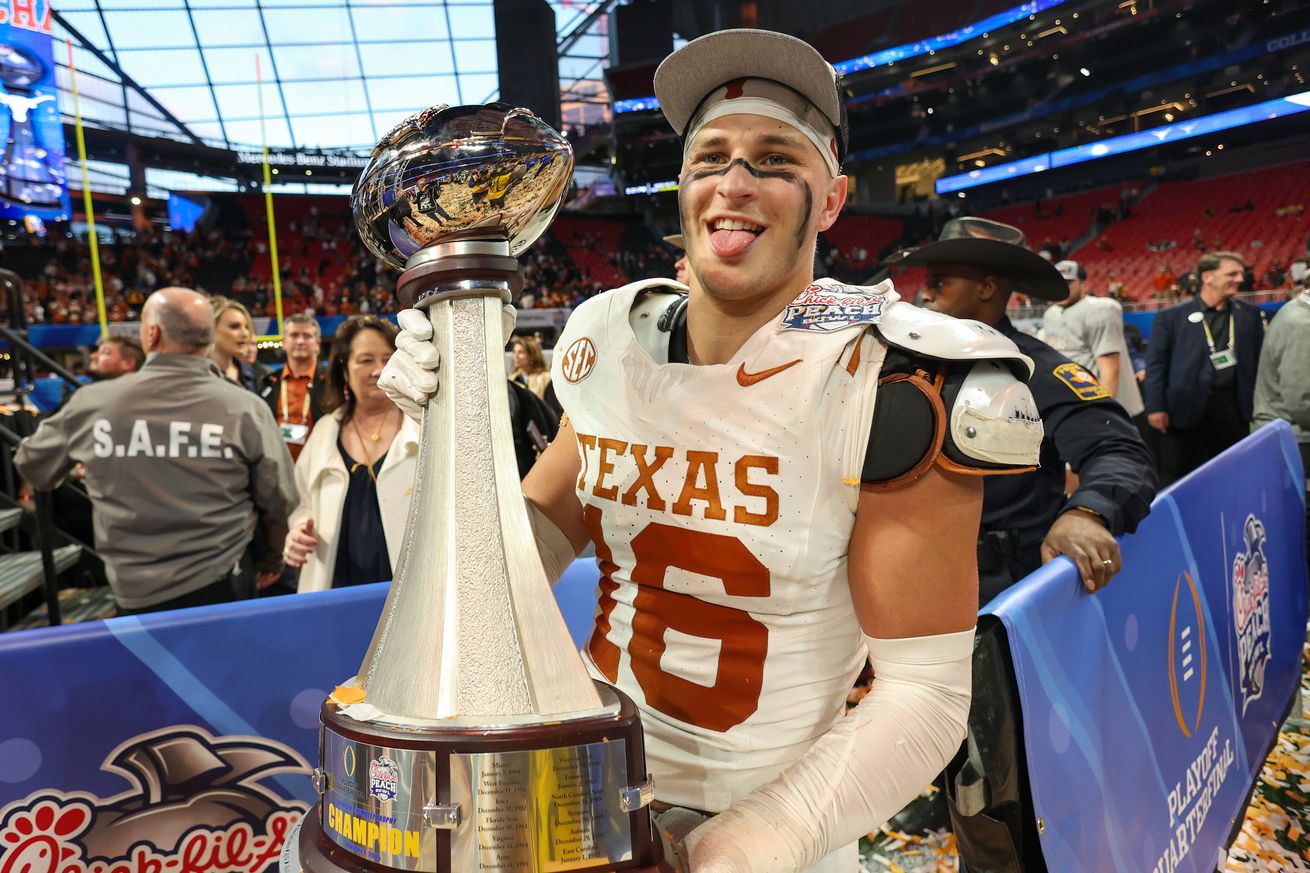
(736, 486)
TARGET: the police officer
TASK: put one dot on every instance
(1027, 519)
(180, 464)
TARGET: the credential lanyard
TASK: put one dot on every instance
(1209, 337)
(304, 413)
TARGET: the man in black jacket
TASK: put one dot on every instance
(1200, 368)
(1027, 520)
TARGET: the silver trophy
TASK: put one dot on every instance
(472, 738)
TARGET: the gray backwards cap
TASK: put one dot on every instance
(687, 76)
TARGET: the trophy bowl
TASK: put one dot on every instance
(472, 739)
(462, 172)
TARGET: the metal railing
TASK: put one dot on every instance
(26, 358)
(45, 532)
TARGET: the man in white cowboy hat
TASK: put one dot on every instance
(759, 529)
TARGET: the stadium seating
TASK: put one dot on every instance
(1058, 219)
(869, 234)
(585, 240)
(1169, 217)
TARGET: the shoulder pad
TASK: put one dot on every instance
(994, 425)
(653, 298)
(602, 302)
(647, 285)
(975, 418)
(934, 335)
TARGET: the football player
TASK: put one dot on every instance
(781, 476)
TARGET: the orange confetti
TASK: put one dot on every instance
(345, 695)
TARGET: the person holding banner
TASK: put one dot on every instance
(1027, 520)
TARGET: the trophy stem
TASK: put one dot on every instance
(451, 643)
(480, 744)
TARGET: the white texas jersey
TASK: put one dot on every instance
(721, 501)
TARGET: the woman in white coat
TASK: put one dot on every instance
(356, 472)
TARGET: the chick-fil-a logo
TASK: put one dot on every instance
(196, 807)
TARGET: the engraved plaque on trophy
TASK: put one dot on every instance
(472, 738)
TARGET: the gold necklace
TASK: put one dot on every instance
(368, 461)
(375, 436)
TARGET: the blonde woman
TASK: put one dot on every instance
(234, 330)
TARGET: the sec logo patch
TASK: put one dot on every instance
(579, 360)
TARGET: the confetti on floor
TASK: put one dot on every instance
(1274, 837)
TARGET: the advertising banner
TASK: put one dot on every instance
(1149, 708)
(32, 177)
(181, 742)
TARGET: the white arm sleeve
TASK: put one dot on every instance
(557, 553)
(857, 775)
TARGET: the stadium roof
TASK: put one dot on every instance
(337, 74)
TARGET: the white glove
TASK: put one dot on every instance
(410, 377)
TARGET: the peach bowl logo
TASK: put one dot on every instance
(383, 774)
(195, 805)
(825, 308)
(1251, 611)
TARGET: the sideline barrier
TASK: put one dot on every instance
(67, 336)
(182, 742)
(1149, 708)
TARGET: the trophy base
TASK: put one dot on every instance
(561, 796)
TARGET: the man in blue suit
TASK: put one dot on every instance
(1201, 366)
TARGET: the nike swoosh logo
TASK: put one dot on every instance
(746, 380)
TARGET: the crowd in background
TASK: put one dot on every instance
(325, 268)
(327, 273)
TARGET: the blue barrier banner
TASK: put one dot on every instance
(1148, 708)
(181, 742)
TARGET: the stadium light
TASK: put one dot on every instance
(1118, 145)
(888, 57)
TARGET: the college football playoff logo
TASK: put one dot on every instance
(1187, 655)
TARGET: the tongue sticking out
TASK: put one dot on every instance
(727, 243)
